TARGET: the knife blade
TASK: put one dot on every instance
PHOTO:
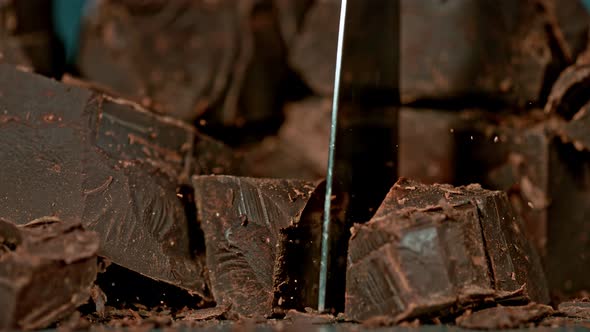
(363, 166)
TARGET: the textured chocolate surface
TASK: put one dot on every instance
(247, 223)
(433, 249)
(118, 169)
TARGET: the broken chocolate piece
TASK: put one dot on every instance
(118, 169)
(246, 262)
(241, 259)
(176, 59)
(47, 270)
(188, 58)
(544, 174)
(458, 56)
(431, 249)
(505, 317)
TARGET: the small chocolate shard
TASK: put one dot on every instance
(505, 317)
(245, 262)
(119, 170)
(430, 250)
(46, 272)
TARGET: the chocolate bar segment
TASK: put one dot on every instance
(430, 250)
(119, 170)
(47, 269)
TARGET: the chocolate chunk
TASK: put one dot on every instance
(176, 56)
(118, 169)
(299, 149)
(241, 259)
(432, 249)
(47, 269)
(247, 264)
(188, 58)
(544, 176)
(508, 63)
(505, 317)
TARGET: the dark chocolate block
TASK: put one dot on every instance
(186, 58)
(251, 227)
(430, 250)
(241, 220)
(47, 269)
(545, 178)
(505, 317)
(457, 55)
(118, 168)
(543, 162)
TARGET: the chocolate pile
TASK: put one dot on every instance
(173, 175)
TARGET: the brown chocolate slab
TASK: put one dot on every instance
(505, 317)
(118, 168)
(430, 250)
(46, 272)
